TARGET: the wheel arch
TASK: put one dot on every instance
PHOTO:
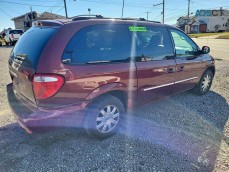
(211, 68)
(117, 90)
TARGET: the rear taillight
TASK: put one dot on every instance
(12, 35)
(46, 85)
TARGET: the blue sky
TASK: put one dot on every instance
(109, 8)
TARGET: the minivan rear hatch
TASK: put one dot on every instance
(24, 59)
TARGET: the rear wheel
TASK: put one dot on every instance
(204, 84)
(12, 43)
(103, 116)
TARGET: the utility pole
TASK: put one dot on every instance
(123, 4)
(187, 26)
(65, 6)
(147, 13)
(221, 11)
(163, 10)
(89, 10)
(31, 12)
(188, 9)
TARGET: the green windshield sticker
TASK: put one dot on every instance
(137, 29)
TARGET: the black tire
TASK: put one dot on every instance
(199, 89)
(94, 116)
(11, 43)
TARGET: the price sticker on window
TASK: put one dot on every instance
(137, 29)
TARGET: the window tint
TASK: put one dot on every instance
(153, 44)
(16, 32)
(32, 43)
(184, 46)
(98, 43)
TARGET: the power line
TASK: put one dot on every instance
(39, 1)
(163, 10)
(9, 2)
(157, 17)
(136, 16)
(6, 13)
(58, 3)
(59, 10)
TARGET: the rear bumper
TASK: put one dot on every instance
(62, 117)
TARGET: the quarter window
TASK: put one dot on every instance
(184, 46)
(98, 44)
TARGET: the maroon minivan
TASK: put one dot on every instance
(92, 70)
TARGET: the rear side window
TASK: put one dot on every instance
(98, 44)
(32, 43)
(16, 32)
(152, 43)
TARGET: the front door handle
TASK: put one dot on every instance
(170, 70)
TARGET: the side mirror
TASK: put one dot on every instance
(205, 50)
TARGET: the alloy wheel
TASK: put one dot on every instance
(107, 119)
(206, 82)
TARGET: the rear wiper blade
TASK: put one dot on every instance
(22, 57)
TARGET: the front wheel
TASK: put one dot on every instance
(204, 84)
(104, 116)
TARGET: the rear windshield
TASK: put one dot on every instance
(16, 31)
(32, 43)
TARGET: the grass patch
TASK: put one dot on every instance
(197, 35)
(224, 36)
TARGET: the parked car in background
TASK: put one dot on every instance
(98, 68)
(12, 36)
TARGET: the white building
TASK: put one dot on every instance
(211, 21)
(205, 21)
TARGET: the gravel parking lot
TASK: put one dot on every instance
(182, 133)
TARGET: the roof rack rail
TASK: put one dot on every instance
(139, 19)
(85, 17)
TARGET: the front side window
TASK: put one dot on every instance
(184, 46)
(98, 44)
(153, 43)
